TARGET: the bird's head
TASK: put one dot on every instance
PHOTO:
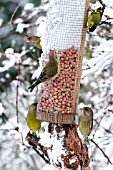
(33, 107)
(87, 111)
(32, 39)
(53, 55)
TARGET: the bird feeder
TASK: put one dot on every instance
(65, 32)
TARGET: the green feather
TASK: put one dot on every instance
(95, 17)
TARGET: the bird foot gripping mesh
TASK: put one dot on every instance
(65, 32)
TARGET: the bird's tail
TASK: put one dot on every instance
(34, 85)
(92, 28)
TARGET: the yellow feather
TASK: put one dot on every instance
(32, 122)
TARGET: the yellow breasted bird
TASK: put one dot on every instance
(35, 40)
(33, 123)
(85, 121)
(50, 71)
(95, 17)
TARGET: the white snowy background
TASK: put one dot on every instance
(96, 92)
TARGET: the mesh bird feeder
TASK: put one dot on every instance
(65, 32)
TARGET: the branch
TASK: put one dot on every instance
(33, 141)
(11, 20)
(105, 22)
(110, 111)
(101, 151)
(107, 130)
(41, 155)
(101, 3)
(19, 62)
(104, 113)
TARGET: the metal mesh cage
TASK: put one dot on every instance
(65, 32)
(64, 24)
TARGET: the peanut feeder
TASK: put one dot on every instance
(65, 32)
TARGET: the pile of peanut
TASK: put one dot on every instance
(57, 95)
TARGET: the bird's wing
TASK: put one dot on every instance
(53, 69)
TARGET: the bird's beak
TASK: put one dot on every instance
(81, 110)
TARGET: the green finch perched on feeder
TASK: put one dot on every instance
(85, 121)
(95, 17)
(33, 123)
(50, 71)
(35, 40)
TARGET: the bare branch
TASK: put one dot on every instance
(41, 155)
(19, 62)
(101, 151)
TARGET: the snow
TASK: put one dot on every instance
(98, 93)
(20, 27)
(37, 72)
(13, 58)
(1, 109)
(40, 68)
(28, 6)
(111, 91)
(18, 20)
(27, 61)
(11, 124)
(46, 167)
(109, 167)
(10, 54)
(1, 21)
(40, 29)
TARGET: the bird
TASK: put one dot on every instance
(95, 17)
(85, 121)
(35, 40)
(50, 71)
(33, 123)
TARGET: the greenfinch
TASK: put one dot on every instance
(35, 40)
(50, 71)
(85, 121)
(33, 123)
(95, 17)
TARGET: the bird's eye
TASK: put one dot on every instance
(86, 109)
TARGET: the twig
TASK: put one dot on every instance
(8, 120)
(11, 20)
(7, 130)
(99, 124)
(104, 113)
(101, 2)
(34, 163)
(12, 104)
(22, 138)
(105, 22)
(19, 62)
(107, 130)
(41, 155)
(101, 150)
(110, 111)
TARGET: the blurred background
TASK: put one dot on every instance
(18, 62)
